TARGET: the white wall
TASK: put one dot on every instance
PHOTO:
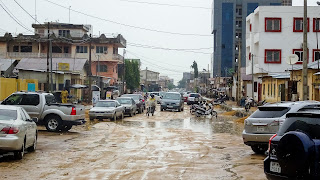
(258, 40)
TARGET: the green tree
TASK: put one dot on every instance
(132, 74)
(171, 85)
(182, 83)
(194, 66)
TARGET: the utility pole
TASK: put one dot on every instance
(97, 71)
(69, 13)
(89, 72)
(305, 54)
(48, 49)
(252, 80)
(124, 71)
(239, 75)
(51, 83)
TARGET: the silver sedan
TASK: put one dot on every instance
(18, 131)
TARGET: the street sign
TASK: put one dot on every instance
(63, 66)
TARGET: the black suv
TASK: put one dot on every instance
(294, 152)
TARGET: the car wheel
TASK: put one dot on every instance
(122, 115)
(161, 109)
(131, 114)
(34, 146)
(182, 108)
(135, 112)
(53, 123)
(142, 110)
(20, 153)
(114, 117)
(259, 149)
(179, 109)
(91, 118)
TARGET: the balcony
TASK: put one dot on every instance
(36, 55)
(117, 57)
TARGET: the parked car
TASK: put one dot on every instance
(172, 100)
(194, 98)
(186, 95)
(140, 102)
(266, 121)
(18, 131)
(107, 109)
(294, 151)
(55, 116)
(130, 107)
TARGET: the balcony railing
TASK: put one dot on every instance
(36, 55)
(117, 57)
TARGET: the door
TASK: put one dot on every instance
(283, 92)
(27, 126)
(259, 91)
(31, 103)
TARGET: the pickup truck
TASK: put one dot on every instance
(55, 116)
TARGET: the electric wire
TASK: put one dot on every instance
(162, 4)
(127, 25)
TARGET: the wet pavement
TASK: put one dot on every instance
(169, 145)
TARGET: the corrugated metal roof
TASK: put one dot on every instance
(6, 63)
(75, 65)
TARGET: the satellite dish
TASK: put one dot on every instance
(292, 59)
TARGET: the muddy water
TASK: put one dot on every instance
(169, 145)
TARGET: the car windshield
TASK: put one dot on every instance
(270, 112)
(124, 101)
(194, 95)
(171, 96)
(6, 114)
(310, 126)
(105, 104)
(134, 97)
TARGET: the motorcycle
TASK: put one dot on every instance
(221, 100)
(204, 111)
(193, 107)
(150, 110)
(250, 102)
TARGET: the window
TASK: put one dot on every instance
(274, 89)
(239, 10)
(64, 33)
(66, 49)
(268, 89)
(316, 24)
(15, 48)
(298, 24)
(316, 54)
(299, 53)
(25, 48)
(250, 28)
(255, 86)
(272, 24)
(101, 49)
(272, 56)
(56, 49)
(238, 35)
(115, 50)
(82, 49)
(103, 68)
(238, 23)
(271, 90)
(264, 89)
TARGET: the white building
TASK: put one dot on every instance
(275, 32)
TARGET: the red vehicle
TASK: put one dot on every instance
(185, 96)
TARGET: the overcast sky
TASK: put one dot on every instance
(182, 16)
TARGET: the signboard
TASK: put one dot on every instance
(63, 66)
(95, 97)
(108, 95)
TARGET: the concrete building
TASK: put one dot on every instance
(149, 79)
(68, 41)
(274, 33)
(228, 29)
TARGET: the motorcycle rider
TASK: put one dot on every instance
(152, 103)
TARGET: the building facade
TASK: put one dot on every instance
(274, 33)
(228, 29)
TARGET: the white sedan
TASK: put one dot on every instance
(18, 131)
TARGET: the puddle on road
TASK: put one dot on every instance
(208, 126)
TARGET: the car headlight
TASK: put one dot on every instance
(177, 104)
(247, 122)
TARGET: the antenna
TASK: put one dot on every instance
(35, 11)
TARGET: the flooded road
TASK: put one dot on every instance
(169, 145)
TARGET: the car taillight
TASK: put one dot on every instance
(270, 141)
(142, 100)
(10, 130)
(73, 111)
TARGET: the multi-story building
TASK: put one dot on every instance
(228, 29)
(274, 33)
(68, 41)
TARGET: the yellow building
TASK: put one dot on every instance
(275, 87)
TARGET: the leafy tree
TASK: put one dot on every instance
(195, 69)
(182, 83)
(171, 85)
(132, 74)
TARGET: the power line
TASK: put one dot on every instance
(162, 4)
(12, 17)
(127, 25)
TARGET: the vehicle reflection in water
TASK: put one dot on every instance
(204, 125)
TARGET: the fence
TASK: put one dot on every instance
(11, 85)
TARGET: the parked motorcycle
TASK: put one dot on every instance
(206, 110)
(250, 102)
(221, 100)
